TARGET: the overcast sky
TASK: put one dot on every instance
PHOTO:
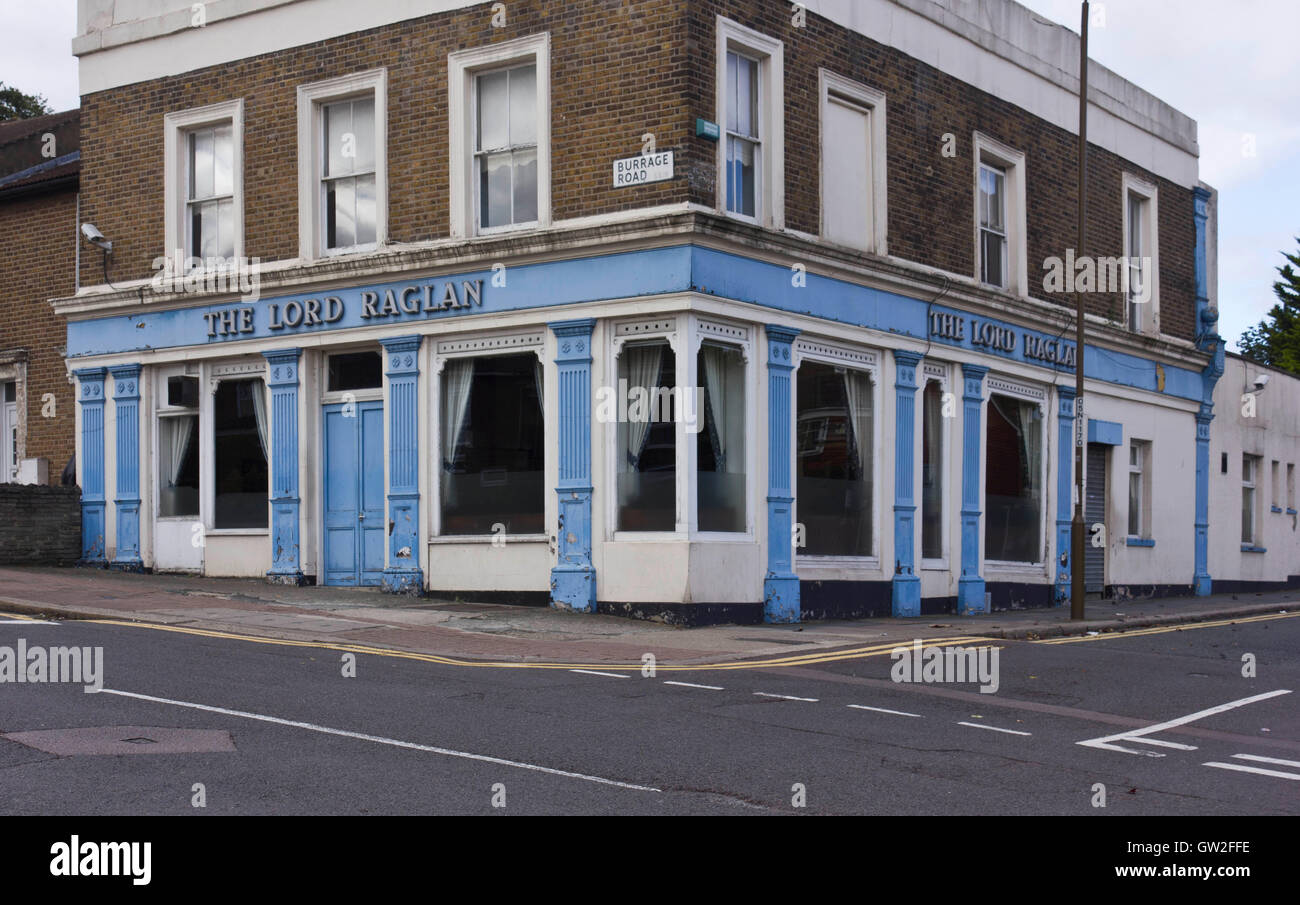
(1232, 66)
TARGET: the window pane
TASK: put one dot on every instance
(525, 186)
(178, 467)
(1247, 515)
(733, 117)
(239, 446)
(492, 445)
(835, 461)
(1013, 480)
(201, 164)
(647, 439)
(992, 248)
(1135, 504)
(336, 122)
(223, 161)
(363, 128)
(1134, 226)
(340, 213)
(523, 106)
(494, 189)
(366, 211)
(720, 464)
(995, 199)
(1247, 469)
(493, 130)
(932, 472)
(746, 97)
(207, 244)
(740, 176)
(226, 229)
(355, 371)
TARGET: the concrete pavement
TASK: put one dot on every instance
(521, 633)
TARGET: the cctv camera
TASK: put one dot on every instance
(1261, 381)
(95, 237)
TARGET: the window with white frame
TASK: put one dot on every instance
(8, 431)
(1000, 232)
(835, 457)
(342, 164)
(932, 469)
(1141, 273)
(203, 182)
(1013, 475)
(853, 158)
(720, 470)
(646, 439)
(492, 444)
(500, 136)
(1290, 486)
(1249, 499)
(1139, 488)
(750, 104)
(179, 440)
(241, 444)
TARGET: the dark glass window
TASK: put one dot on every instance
(492, 445)
(932, 463)
(720, 464)
(355, 371)
(834, 463)
(240, 442)
(178, 466)
(11, 391)
(1013, 483)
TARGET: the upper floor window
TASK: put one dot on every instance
(203, 187)
(342, 171)
(500, 136)
(750, 104)
(1000, 251)
(1140, 271)
(853, 180)
(1249, 499)
(505, 146)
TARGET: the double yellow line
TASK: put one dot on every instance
(1160, 630)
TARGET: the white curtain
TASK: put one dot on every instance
(857, 390)
(259, 411)
(539, 381)
(642, 371)
(715, 385)
(1031, 442)
(457, 377)
(181, 433)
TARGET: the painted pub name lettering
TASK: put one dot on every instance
(997, 338)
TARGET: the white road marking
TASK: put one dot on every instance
(693, 685)
(1161, 743)
(1135, 735)
(1242, 768)
(26, 622)
(785, 697)
(592, 672)
(396, 743)
(1268, 760)
(993, 728)
(883, 710)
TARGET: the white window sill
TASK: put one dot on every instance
(238, 532)
(445, 539)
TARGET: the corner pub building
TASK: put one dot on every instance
(445, 381)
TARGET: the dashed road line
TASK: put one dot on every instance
(784, 697)
(1242, 768)
(883, 710)
(693, 685)
(1268, 760)
(993, 728)
(396, 743)
(592, 672)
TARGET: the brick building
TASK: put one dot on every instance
(719, 309)
(39, 167)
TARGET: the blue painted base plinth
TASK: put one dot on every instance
(290, 579)
(403, 581)
(906, 596)
(781, 599)
(970, 597)
(1201, 585)
(574, 589)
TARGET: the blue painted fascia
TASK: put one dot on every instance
(1139, 542)
(1108, 433)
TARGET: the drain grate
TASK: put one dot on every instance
(139, 740)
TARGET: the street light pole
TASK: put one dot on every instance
(1077, 528)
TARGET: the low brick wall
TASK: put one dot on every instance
(39, 525)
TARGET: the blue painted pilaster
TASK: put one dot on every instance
(1201, 582)
(1208, 340)
(126, 502)
(91, 400)
(282, 378)
(403, 574)
(781, 584)
(970, 587)
(1207, 318)
(1065, 397)
(573, 580)
(906, 584)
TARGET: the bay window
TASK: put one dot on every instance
(646, 442)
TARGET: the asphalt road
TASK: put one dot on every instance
(288, 733)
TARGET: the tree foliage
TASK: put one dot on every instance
(15, 104)
(1275, 340)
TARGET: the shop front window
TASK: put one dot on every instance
(647, 439)
(932, 472)
(1013, 482)
(720, 464)
(835, 460)
(240, 447)
(492, 446)
(178, 466)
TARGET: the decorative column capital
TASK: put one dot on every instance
(905, 364)
(573, 340)
(126, 382)
(282, 367)
(779, 339)
(403, 355)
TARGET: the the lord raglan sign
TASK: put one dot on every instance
(990, 336)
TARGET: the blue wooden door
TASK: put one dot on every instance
(354, 494)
